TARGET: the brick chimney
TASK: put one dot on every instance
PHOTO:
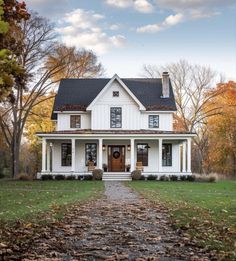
(165, 85)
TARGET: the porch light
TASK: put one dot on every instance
(103, 147)
(50, 144)
(147, 147)
(128, 147)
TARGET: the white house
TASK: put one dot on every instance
(118, 125)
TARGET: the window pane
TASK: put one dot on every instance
(75, 121)
(167, 155)
(91, 153)
(116, 117)
(153, 121)
(142, 154)
(66, 154)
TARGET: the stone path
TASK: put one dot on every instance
(120, 226)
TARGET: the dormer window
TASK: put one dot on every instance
(153, 121)
(116, 94)
(116, 117)
(75, 121)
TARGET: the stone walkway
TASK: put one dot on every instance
(120, 226)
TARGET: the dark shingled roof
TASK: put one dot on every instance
(77, 94)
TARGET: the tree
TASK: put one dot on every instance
(221, 131)
(11, 14)
(191, 84)
(37, 39)
(76, 63)
(39, 120)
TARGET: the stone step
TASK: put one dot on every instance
(110, 179)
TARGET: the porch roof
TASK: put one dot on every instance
(117, 132)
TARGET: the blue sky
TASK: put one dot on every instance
(125, 34)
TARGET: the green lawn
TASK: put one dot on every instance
(25, 200)
(206, 212)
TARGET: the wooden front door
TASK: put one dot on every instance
(116, 158)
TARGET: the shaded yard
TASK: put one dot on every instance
(25, 199)
(204, 211)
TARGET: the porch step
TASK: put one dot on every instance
(116, 176)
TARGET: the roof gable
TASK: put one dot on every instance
(108, 85)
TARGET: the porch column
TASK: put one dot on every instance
(100, 154)
(44, 154)
(160, 154)
(184, 157)
(73, 155)
(132, 165)
(48, 158)
(189, 155)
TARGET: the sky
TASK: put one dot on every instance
(126, 34)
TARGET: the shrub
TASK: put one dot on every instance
(206, 178)
(136, 174)
(163, 178)
(2, 175)
(59, 177)
(142, 177)
(174, 178)
(87, 177)
(70, 177)
(97, 174)
(191, 178)
(47, 177)
(183, 178)
(24, 177)
(151, 177)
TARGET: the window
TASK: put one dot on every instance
(116, 94)
(116, 117)
(167, 155)
(91, 153)
(75, 121)
(66, 154)
(142, 154)
(153, 121)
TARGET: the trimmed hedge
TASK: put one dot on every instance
(47, 177)
(136, 174)
(151, 177)
(59, 177)
(97, 174)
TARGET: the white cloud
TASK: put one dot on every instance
(81, 29)
(120, 3)
(169, 21)
(115, 27)
(142, 6)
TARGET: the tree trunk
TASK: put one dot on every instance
(15, 151)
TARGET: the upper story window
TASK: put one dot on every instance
(116, 94)
(116, 117)
(167, 155)
(75, 121)
(66, 154)
(142, 153)
(153, 121)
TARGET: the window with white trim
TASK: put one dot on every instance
(153, 121)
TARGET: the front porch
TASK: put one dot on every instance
(159, 156)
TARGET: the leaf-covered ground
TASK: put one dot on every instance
(119, 226)
(205, 212)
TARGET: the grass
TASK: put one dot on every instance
(204, 211)
(24, 200)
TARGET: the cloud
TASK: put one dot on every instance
(169, 21)
(81, 28)
(185, 10)
(142, 6)
(115, 27)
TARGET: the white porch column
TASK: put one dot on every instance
(184, 157)
(44, 154)
(189, 156)
(100, 152)
(132, 165)
(160, 154)
(73, 155)
(48, 157)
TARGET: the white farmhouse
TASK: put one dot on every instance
(118, 125)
